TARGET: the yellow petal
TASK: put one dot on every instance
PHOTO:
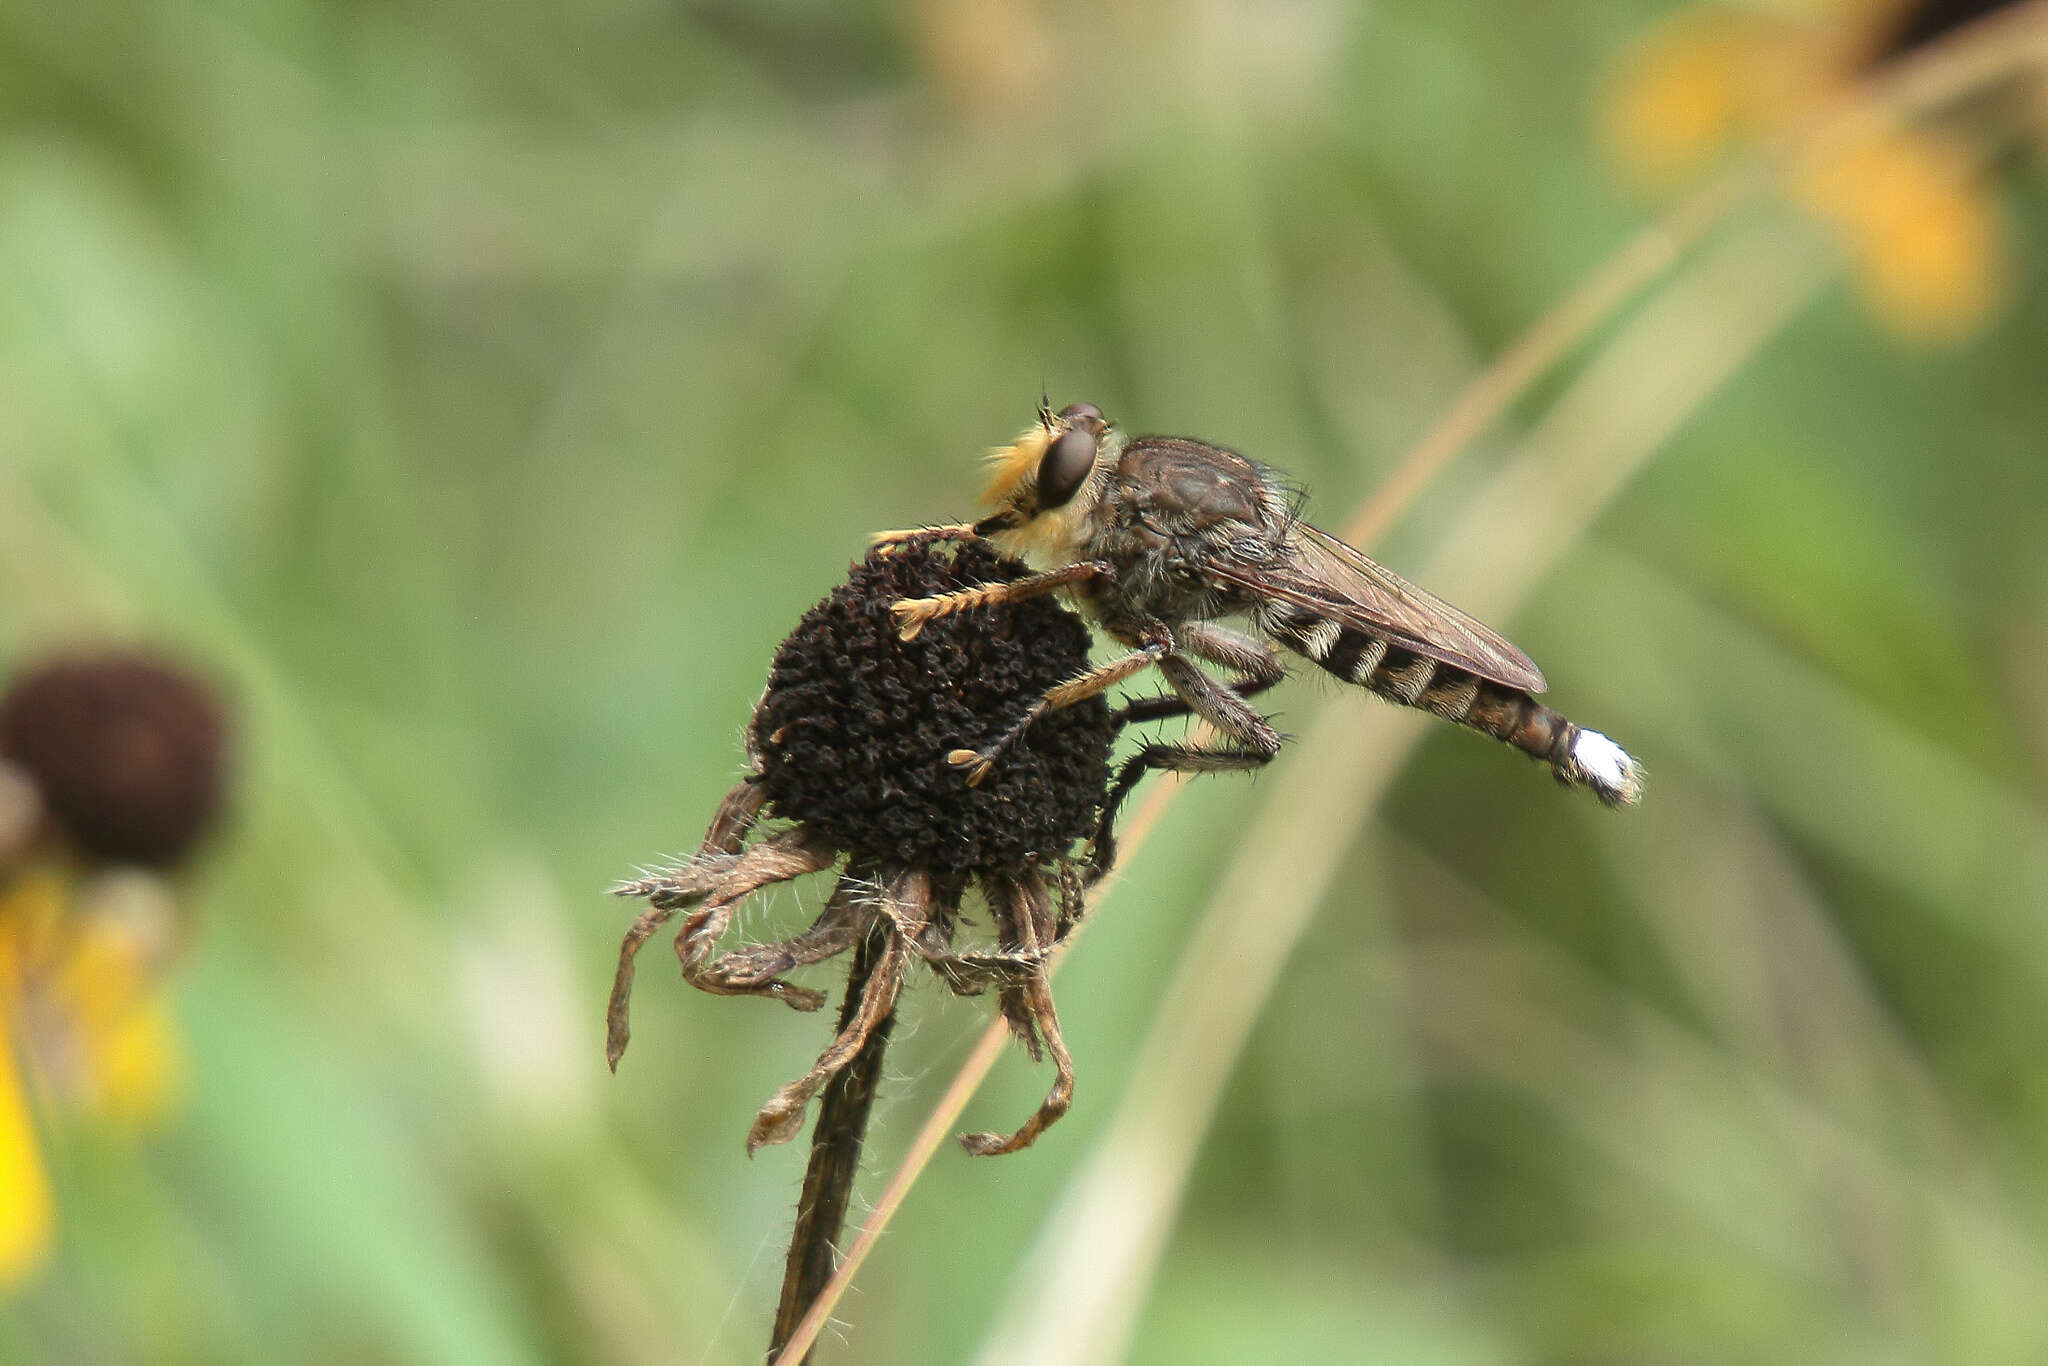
(138, 1067)
(1924, 236)
(989, 57)
(27, 1211)
(1682, 95)
(31, 912)
(129, 1064)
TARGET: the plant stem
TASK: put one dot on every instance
(836, 1138)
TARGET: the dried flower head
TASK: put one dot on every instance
(127, 754)
(848, 747)
(853, 731)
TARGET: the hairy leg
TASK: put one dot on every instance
(906, 903)
(725, 876)
(1079, 688)
(1255, 667)
(756, 970)
(1169, 759)
(888, 542)
(1252, 741)
(1032, 1015)
(913, 613)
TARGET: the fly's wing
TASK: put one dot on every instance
(1326, 576)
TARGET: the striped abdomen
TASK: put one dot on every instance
(1579, 757)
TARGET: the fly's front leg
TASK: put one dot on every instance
(889, 542)
(913, 613)
(1158, 649)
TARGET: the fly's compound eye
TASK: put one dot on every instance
(1066, 463)
(1087, 410)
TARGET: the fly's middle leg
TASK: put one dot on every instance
(1079, 688)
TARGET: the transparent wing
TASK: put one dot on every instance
(1326, 576)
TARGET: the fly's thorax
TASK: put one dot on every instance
(1183, 486)
(1157, 577)
(1174, 510)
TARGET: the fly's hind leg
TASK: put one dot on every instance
(1255, 667)
(1167, 759)
(1251, 740)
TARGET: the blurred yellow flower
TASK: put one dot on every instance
(1926, 238)
(988, 58)
(1923, 233)
(27, 1219)
(83, 1026)
(111, 771)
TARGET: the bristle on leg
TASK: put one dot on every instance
(1607, 768)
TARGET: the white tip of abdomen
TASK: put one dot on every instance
(1607, 768)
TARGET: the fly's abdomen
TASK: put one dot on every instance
(1579, 757)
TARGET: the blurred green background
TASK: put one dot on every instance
(482, 390)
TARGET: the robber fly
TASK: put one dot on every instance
(1158, 537)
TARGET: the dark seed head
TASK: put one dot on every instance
(856, 724)
(126, 752)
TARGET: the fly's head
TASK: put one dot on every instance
(1048, 488)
